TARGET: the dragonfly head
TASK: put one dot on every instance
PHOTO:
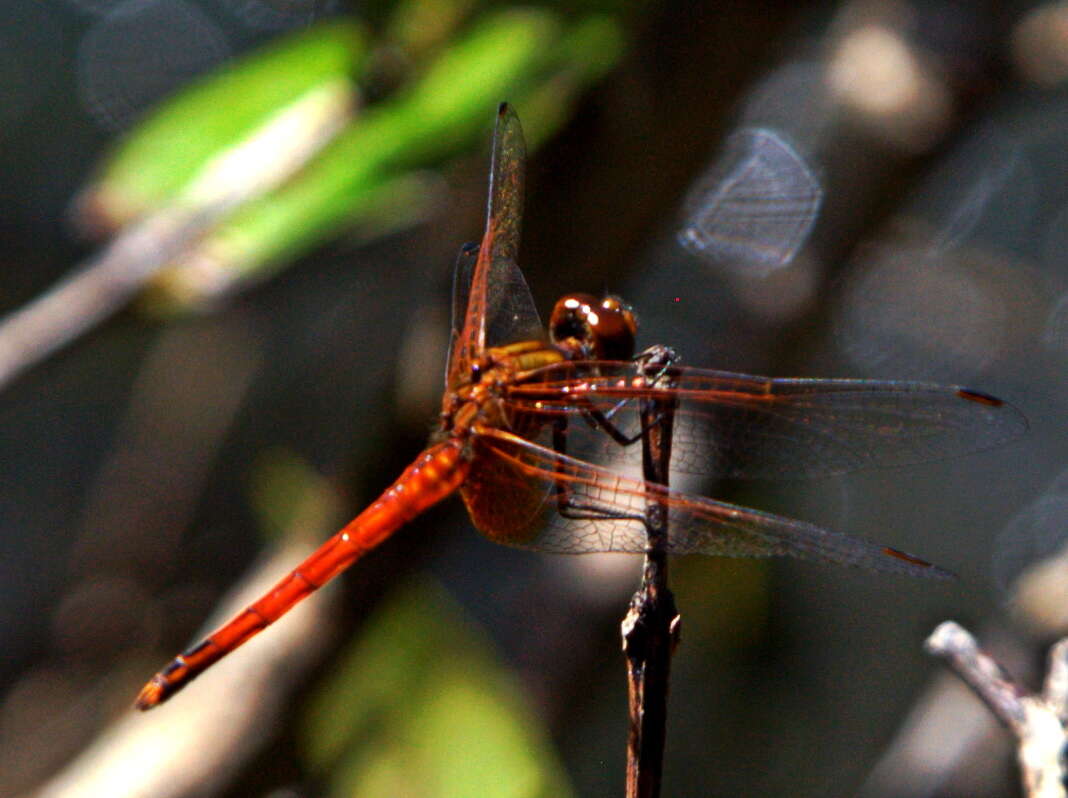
(587, 327)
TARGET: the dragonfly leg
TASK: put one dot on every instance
(654, 364)
(657, 357)
(603, 421)
(566, 504)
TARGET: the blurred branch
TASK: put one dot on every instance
(947, 735)
(106, 282)
(163, 754)
(191, 386)
(514, 53)
(96, 290)
(238, 216)
(1037, 721)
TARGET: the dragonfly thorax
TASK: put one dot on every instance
(478, 401)
(481, 400)
(589, 328)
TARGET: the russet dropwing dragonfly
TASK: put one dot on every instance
(526, 421)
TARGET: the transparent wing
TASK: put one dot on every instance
(511, 315)
(512, 495)
(747, 427)
(500, 242)
(756, 208)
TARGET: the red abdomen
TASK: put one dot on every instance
(433, 476)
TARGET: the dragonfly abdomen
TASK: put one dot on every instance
(431, 478)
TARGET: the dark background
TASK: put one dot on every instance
(938, 254)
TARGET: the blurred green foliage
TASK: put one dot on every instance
(160, 156)
(421, 705)
(291, 498)
(435, 79)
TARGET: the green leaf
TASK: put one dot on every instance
(168, 148)
(508, 54)
(421, 705)
(419, 27)
(588, 50)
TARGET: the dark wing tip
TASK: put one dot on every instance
(919, 567)
(1010, 420)
(980, 397)
(507, 117)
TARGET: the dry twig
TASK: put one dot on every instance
(108, 281)
(1037, 721)
(651, 626)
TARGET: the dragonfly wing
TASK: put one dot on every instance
(500, 243)
(611, 507)
(506, 501)
(459, 348)
(745, 427)
(504, 214)
(510, 312)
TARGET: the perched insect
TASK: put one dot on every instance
(526, 418)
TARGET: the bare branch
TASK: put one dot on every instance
(164, 754)
(1055, 689)
(651, 627)
(1036, 721)
(108, 281)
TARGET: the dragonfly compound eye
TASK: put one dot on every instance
(600, 328)
(617, 328)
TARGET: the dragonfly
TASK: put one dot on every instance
(540, 429)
